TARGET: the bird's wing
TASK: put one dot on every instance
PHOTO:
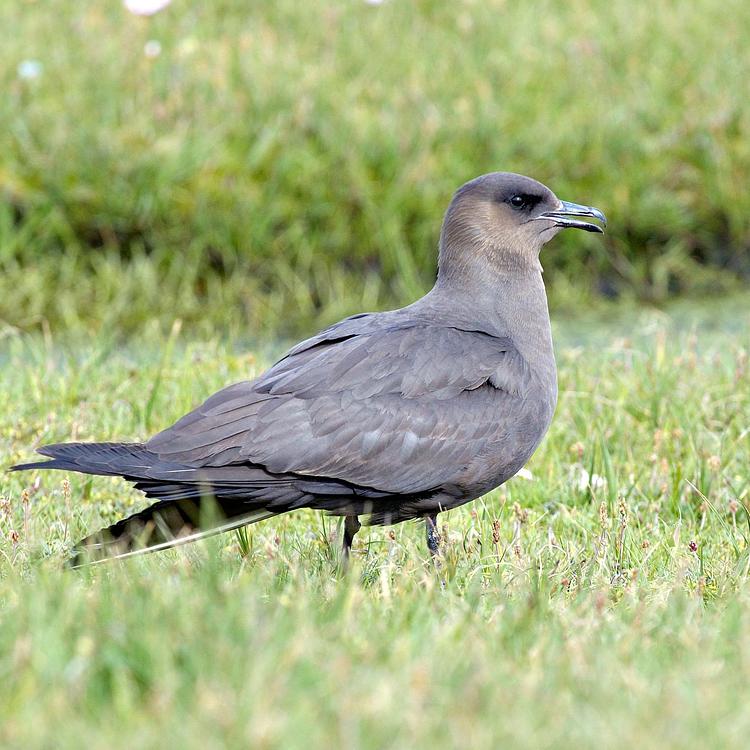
(400, 407)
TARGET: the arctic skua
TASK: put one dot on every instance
(393, 415)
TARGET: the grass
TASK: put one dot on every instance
(285, 161)
(601, 602)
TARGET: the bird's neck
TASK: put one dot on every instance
(502, 302)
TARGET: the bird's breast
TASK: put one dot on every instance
(519, 425)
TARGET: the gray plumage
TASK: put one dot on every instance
(394, 415)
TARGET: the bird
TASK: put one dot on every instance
(393, 416)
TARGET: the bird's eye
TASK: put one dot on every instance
(518, 201)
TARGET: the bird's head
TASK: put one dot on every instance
(501, 221)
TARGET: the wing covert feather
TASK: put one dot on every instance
(400, 408)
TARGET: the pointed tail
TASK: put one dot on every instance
(129, 460)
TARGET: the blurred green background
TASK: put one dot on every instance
(270, 167)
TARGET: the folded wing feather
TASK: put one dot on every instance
(400, 408)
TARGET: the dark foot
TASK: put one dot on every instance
(351, 527)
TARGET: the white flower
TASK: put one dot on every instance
(597, 482)
(28, 70)
(152, 49)
(525, 474)
(584, 480)
(146, 7)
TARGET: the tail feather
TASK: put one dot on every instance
(106, 459)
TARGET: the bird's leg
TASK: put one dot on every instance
(433, 543)
(351, 527)
(433, 536)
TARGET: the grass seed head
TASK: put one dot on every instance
(496, 531)
(603, 516)
(622, 510)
